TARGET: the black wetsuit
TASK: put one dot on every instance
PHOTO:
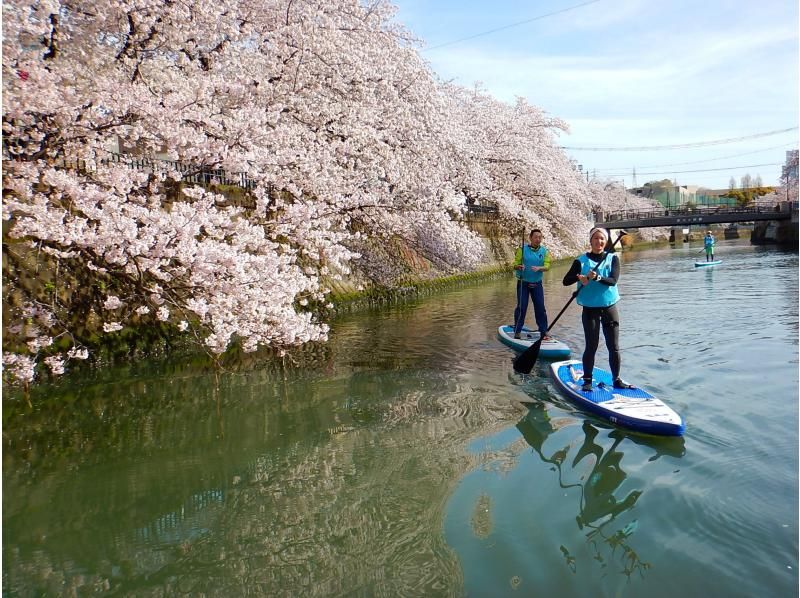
(593, 318)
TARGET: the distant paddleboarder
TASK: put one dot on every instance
(708, 243)
(598, 271)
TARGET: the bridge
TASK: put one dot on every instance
(698, 216)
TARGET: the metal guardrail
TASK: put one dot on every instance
(190, 173)
(482, 209)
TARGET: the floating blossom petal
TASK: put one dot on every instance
(111, 326)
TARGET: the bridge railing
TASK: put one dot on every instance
(682, 211)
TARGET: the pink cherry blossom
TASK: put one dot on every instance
(78, 353)
(112, 302)
(56, 364)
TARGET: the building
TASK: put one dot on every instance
(676, 196)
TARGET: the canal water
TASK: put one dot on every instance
(411, 460)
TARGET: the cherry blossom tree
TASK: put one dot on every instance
(347, 140)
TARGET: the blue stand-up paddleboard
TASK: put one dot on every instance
(704, 264)
(631, 408)
(552, 348)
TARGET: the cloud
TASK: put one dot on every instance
(656, 78)
(600, 16)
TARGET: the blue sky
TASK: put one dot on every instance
(633, 73)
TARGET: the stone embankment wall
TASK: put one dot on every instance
(423, 277)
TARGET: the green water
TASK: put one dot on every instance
(411, 460)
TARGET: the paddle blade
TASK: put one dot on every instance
(525, 361)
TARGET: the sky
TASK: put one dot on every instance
(633, 74)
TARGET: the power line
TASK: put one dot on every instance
(517, 24)
(679, 145)
(705, 170)
(703, 161)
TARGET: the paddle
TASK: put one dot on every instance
(518, 310)
(525, 361)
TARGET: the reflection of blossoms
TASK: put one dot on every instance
(111, 326)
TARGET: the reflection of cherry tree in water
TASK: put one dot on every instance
(599, 506)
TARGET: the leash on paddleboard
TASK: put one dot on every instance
(525, 361)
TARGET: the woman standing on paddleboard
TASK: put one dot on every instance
(596, 272)
(708, 245)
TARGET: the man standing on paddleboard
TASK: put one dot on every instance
(530, 262)
(598, 271)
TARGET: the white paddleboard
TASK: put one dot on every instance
(552, 348)
(631, 408)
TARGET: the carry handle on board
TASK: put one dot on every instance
(525, 361)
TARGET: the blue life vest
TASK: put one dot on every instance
(597, 294)
(533, 257)
(709, 241)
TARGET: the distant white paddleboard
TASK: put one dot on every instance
(704, 264)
